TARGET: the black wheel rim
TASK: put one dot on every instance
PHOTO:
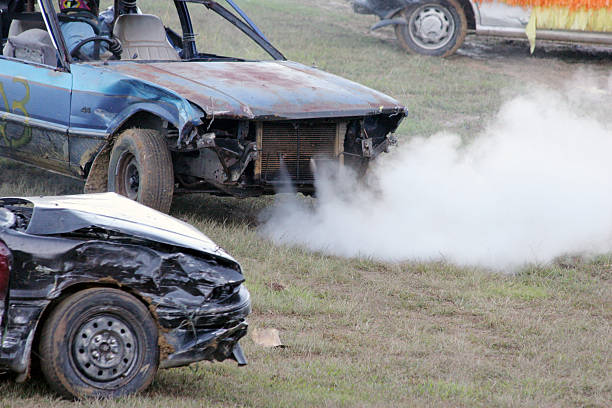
(128, 176)
(104, 348)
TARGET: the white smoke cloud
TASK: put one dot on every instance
(536, 184)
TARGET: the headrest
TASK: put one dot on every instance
(139, 27)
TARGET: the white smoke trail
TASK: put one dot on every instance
(536, 184)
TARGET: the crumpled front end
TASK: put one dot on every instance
(207, 334)
(197, 298)
(269, 122)
(245, 158)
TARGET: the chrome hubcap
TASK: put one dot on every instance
(104, 348)
(431, 26)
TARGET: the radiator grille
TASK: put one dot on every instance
(294, 144)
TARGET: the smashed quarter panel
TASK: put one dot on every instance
(108, 290)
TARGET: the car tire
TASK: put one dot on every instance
(140, 168)
(99, 343)
(434, 27)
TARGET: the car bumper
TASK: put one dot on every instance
(192, 346)
(197, 340)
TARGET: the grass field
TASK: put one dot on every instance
(365, 333)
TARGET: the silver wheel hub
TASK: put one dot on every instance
(104, 348)
(431, 26)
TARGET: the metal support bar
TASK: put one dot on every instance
(247, 19)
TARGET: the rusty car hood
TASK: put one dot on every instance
(113, 212)
(262, 90)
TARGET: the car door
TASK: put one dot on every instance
(35, 111)
(499, 14)
(34, 101)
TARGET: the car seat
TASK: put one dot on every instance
(19, 26)
(143, 37)
(31, 45)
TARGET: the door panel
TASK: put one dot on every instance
(499, 14)
(34, 113)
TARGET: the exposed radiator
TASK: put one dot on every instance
(294, 144)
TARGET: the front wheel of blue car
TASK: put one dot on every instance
(100, 342)
(140, 168)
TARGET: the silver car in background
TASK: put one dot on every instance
(438, 27)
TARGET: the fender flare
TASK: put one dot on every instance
(97, 177)
(388, 21)
(470, 7)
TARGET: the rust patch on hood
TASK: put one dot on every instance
(262, 90)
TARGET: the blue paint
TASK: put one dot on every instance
(114, 97)
(49, 90)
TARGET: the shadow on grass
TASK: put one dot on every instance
(223, 210)
(199, 383)
(18, 179)
(203, 381)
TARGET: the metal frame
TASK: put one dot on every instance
(250, 29)
(52, 23)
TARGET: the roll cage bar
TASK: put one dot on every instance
(247, 26)
(49, 16)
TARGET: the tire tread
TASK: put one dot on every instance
(155, 167)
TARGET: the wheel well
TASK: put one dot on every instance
(468, 9)
(70, 290)
(97, 169)
(143, 120)
(469, 13)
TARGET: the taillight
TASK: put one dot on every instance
(5, 266)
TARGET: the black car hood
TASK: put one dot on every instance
(64, 214)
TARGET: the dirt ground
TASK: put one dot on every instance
(551, 63)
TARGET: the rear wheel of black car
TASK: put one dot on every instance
(434, 27)
(140, 168)
(100, 343)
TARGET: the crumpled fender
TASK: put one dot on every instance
(116, 97)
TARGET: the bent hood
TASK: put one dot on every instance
(63, 214)
(263, 90)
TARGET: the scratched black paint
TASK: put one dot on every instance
(197, 297)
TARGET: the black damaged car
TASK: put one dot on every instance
(104, 291)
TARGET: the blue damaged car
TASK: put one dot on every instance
(168, 118)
